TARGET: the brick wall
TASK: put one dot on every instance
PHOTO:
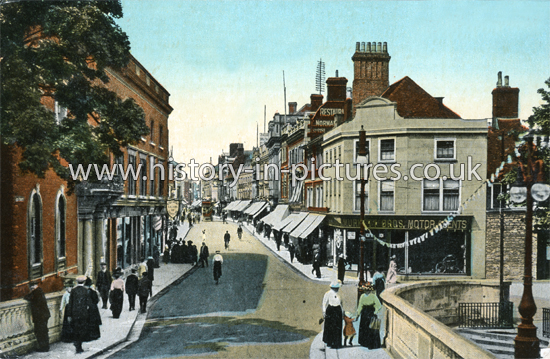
(514, 246)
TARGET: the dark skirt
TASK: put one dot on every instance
(117, 299)
(217, 270)
(368, 337)
(332, 332)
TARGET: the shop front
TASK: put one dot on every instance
(422, 245)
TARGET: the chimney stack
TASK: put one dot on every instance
(371, 71)
(316, 101)
(336, 88)
(292, 107)
(505, 99)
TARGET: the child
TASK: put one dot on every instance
(349, 330)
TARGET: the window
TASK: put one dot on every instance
(441, 195)
(35, 234)
(387, 150)
(143, 175)
(132, 167)
(387, 191)
(152, 135)
(161, 181)
(356, 150)
(161, 134)
(138, 72)
(357, 195)
(152, 175)
(61, 220)
(444, 149)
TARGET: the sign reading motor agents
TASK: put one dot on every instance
(423, 223)
(172, 207)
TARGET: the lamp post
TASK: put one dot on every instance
(361, 161)
(526, 189)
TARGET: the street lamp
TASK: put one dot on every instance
(361, 161)
(526, 189)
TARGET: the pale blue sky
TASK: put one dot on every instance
(222, 61)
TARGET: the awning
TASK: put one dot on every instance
(231, 206)
(254, 207)
(281, 211)
(297, 193)
(291, 221)
(302, 227)
(316, 222)
(241, 206)
(197, 203)
(259, 211)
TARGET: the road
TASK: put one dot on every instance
(261, 308)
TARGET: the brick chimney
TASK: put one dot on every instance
(233, 147)
(316, 101)
(370, 70)
(505, 99)
(292, 107)
(336, 88)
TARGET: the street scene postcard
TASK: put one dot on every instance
(274, 179)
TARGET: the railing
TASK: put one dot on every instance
(486, 315)
(546, 322)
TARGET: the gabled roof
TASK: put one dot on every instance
(413, 102)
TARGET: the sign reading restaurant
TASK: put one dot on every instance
(419, 223)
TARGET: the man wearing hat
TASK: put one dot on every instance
(332, 313)
(145, 288)
(40, 315)
(103, 283)
(204, 254)
(132, 283)
(217, 264)
(78, 314)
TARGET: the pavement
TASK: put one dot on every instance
(116, 332)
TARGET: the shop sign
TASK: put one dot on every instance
(407, 223)
(351, 235)
(172, 207)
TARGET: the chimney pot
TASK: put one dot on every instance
(385, 47)
(337, 74)
(368, 47)
(363, 47)
(357, 46)
(506, 81)
(379, 47)
(499, 81)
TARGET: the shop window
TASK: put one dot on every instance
(439, 195)
(444, 149)
(387, 150)
(387, 194)
(357, 189)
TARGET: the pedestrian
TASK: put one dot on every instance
(103, 283)
(391, 277)
(166, 254)
(292, 251)
(378, 280)
(95, 318)
(349, 330)
(132, 283)
(341, 268)
(226, 239)
(217, 264)
(66, 333)
(204, 235)
(142, 268)
(332, 313)
(117, 293)
(367, 308)
(40, 315)
(278, 241)
(145, 288)
(151, 268)
(78, 313)
(240, 232)
(204, 254)
(267, 231)
(316, 264)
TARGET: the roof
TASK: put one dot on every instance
(414, 102)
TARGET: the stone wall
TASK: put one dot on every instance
(514, 246)
(16, 331)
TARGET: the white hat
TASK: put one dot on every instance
(336, 284)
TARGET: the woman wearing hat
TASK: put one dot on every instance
(369, 305)
(391, 277)
(117, 293)
(332, 313)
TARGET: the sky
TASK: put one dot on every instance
(223, 61)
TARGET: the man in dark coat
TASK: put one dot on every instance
(78, 313)
(204, 255)
(292, 251)
(151, 268)
(40, 315)
(103, 283)
(145, 288)
(132, 283)
(226, 239)
(341, 268)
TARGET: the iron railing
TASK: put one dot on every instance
(546, 322)
(486, 315)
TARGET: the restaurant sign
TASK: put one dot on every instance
(406, 223)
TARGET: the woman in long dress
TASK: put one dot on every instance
(369, 305)
(117, 294)
(332, 312)
(94, 322)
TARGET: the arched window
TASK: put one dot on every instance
(61, 219)
(35, 234)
